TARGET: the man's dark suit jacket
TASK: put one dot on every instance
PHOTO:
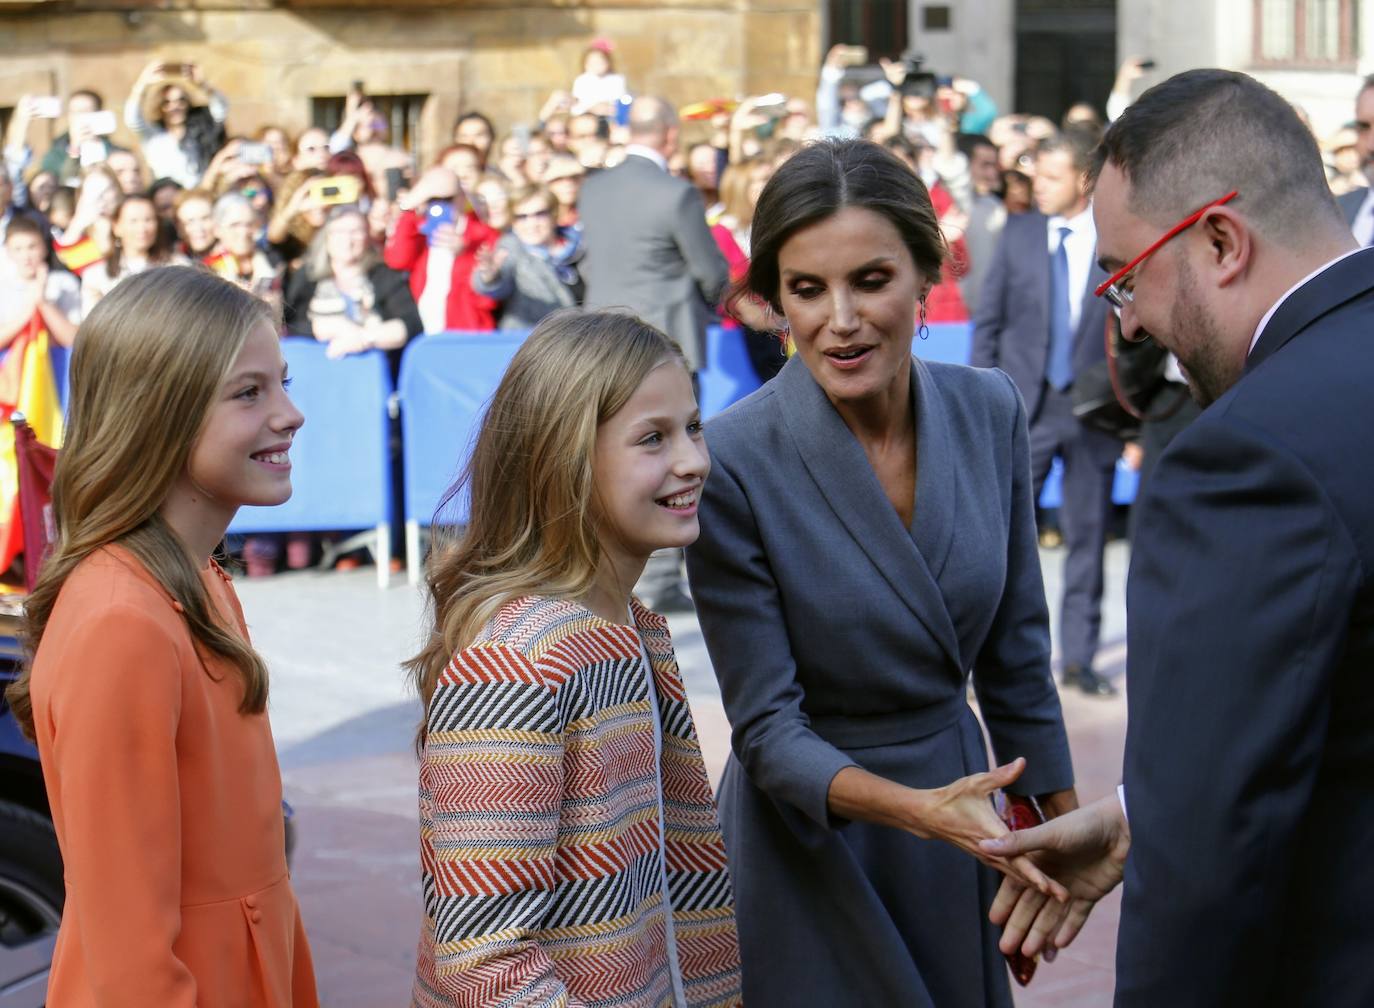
(1350, 204)
(648, 249)
(1011, 329)
(1250, 749)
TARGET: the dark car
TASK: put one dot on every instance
(31, 887)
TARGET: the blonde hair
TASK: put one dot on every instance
(734, 191)
(531, 527)
(147, 364)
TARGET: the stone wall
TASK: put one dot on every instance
(499, 57)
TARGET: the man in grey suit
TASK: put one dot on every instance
(648, 249)
(647, 244)
(1358, 205)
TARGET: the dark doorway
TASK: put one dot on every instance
(1065, 53)
(879, 24)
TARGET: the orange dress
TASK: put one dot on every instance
(167, 805)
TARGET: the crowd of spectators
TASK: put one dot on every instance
(363, 248)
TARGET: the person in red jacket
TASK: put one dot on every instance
(436, 241)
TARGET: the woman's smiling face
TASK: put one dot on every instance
(849, 289)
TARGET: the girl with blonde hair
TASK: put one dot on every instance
(570, 847)
(142, 690)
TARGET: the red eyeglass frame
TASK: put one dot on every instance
(1173, 232)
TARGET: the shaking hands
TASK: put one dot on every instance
(1083, 850)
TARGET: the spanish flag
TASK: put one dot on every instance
(27, 386)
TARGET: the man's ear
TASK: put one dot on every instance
(1229, 243)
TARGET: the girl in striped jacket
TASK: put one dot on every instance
(570, 848)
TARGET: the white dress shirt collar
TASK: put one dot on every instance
(639, 150)
(1259, 329)
(1080, 248)
(1080, 224)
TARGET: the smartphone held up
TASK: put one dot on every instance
(44, 107)
(335, 190)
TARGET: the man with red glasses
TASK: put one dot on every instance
(1249, 771)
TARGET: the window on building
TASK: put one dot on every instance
(1307, 33)
(881, 25)
(401, 112)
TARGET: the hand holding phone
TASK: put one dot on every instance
(92, 152)
(254, 153)
(101, 123)
(335, 190)
(44, 107)
(850, 55)
(436, 214)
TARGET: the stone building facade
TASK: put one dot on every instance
(281, 61)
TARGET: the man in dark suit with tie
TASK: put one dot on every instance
(1358, 204)
(1249, 772)
(648, 249)
(1038, 321)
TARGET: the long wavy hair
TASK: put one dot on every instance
(531, 526)
(147, 364)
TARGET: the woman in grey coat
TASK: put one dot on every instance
(868, 542)
(532, 271)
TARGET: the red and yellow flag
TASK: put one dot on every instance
(27, 386)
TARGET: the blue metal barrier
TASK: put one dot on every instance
(446, 381)
(61, 364)
(729, 375)
(1124, 485)
(950, 342)
(340, 465)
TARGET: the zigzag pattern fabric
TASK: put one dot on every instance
(540, 859)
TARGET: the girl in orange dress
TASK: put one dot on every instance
(143, 692)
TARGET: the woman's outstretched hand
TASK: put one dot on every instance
(961, 813)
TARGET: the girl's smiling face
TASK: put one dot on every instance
(649, 466)
(240, 456)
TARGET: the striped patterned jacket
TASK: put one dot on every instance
(539, 823)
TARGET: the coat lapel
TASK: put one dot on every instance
(1038, 305)
(936, 474)
(836, 462)
(1089, 319)
(1347, 280)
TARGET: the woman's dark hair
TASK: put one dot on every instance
(1202, 133)
(161, 184)
(204, 135)
(825, 177)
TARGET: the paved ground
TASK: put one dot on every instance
(345, 719)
